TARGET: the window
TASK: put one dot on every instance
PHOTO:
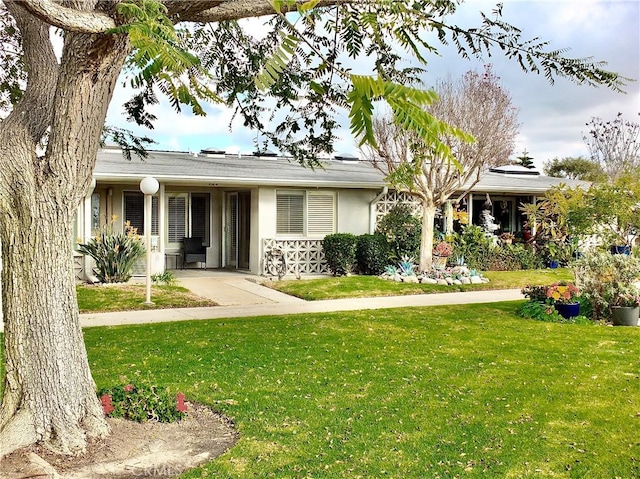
(290, 213)
(177, 224)
(301, 213)
(134, 211)
(321, 214)
(95, 212)
(188, 216)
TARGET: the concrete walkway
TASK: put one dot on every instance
(240, 296)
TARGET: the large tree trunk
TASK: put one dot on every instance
(49, 393)
(426, 241)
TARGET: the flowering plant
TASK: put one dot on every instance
(142, 402)
(443, 249)
(563, 293)
(507, 236)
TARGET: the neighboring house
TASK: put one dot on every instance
(244, 206)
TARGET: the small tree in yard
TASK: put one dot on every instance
(476, 104)
(54, 108)
(609, 210)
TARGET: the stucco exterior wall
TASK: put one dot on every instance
(354, 211)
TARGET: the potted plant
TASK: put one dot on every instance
(603, 278)
(507, 237)
(565, 298)
(440, 254)
(625, 306)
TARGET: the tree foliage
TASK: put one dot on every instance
(524, 159)
(609, 210)
(575, 168)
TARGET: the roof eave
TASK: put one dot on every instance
(233, 182)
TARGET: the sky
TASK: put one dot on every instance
(552, 117)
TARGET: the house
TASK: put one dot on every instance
(243, 206)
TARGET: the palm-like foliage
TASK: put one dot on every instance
(114, 253)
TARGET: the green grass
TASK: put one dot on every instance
(93, 299)
(442, 392)
(369, 286)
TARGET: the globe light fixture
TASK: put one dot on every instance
(149, 187)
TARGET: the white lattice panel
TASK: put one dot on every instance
(303, 256)
(392, 198)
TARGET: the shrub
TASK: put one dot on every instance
(512, 257)
(474, 245)
(114, 253)
(603, 276)
(340, 252)
(166, 277)
(547, 313)
(142, 402)
(480, 253)
(402, 231)
(371, 254)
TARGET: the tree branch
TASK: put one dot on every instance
(68, 19)
(236, 10)
(34, 111)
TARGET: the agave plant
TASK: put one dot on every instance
(407, 266)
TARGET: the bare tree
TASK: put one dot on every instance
(614, 145)
(476, 104)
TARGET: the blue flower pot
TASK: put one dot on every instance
(553, 264)
(568, 311)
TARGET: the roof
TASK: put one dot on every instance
(518, 183)
(215, 168)
(218, 169)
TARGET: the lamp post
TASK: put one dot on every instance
(149, 186)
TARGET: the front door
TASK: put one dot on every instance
(237, 229)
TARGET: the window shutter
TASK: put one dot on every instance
(320, 214)
(154, 215)
(134, 210)
(177, 218)
(290, 213)
(199, 223)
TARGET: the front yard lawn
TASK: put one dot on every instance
(369, 286)
(455, 391)
(126, 297)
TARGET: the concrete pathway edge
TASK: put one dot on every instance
(297, 307)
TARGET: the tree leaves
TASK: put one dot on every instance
(161, 58)
(277, 63)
